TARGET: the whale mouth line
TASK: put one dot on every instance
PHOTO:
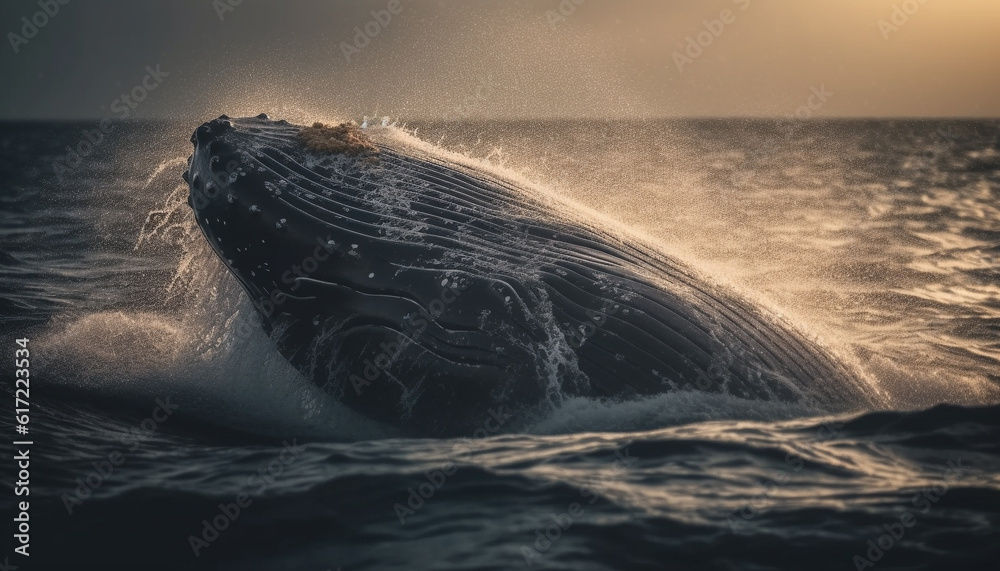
(488, 297)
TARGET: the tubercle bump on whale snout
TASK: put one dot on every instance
(202, 139)
(202, 134)
(207, 131)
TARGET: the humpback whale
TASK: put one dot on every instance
(434, 297)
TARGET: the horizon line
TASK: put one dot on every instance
(447, 119)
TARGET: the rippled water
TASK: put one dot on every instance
(878, 239)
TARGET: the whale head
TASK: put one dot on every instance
(353, 256)
(252, 199)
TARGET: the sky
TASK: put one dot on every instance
(449, 59)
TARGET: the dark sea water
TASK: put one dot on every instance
(159, 407)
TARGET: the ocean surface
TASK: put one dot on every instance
(170, 434)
